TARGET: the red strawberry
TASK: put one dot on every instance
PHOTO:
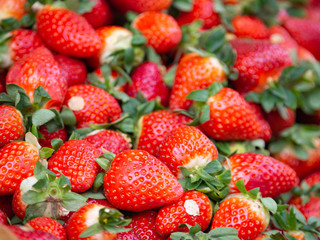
(304, 54)
(140, 6)
(11, 125)
(281, 36)
(67, 32)
(6, 205)
(260, 171)
(76, 160)
(194, 72)
(264, 60)
(313, 179)
(310, 209)
(3, 218)
(48, 225)
(249, 27)
(138, 181)
(161, 30)
(39, 69)
(91, 104)
(12, 9)
(72, 70)
(47, 136)
(24, 233)
(127, 236)
(203, 10)
(147, 79)
(100, 15)
(187, 147)
(17, 161)
(154, 127)
(192, 208)
(112, 141)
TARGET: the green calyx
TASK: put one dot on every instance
(304, 191)
(50, 196)
(110, 220)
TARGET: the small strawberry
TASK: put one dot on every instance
(48, 225)
(249, 27)
(161, 30)
(48, 136)
(12, 9)
(66, 32)
(192, 208)
(194, 72)
(3, 218)
(100, 14)
(140, 6)
(24, 233)
(138, 181)
(92, 105)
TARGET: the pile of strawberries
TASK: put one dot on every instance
(159, 119)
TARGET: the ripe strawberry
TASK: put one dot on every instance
(12, 9)
(304, 54)
(194, 72)
(140, 6)
(48, 225)
(72, 70)
(280, 35)
(66, 32)
(11, 125)
(161, 30)
(100, 14)
(249, 27)
(24, 233)
(313, 179)
(154, 127)
(147, 79)
(278, 123)
(112, 141)
(186, 146)
(257, 170)
(39, 69)
(309, 209)
(17, 161)
(6, 205)
(138, 181)
(201, 10)
(127, 236)
(3, 218)
(192, 208)
(76, 160)
(91, 104)
(47, 136)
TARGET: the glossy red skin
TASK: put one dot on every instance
(3, 218)
(17, 161)
(277, 123)
(127, 236)
(23, 42)
(18, 205)
(76, 160)
(310, 209)
(264, 59)
(161, 30)
(6, 205)
(249, 27)
(49, 225)
(109, 140)
(47, 137)
(140, 6)
(184, 144)
(100, 15)
(12, 8)
(170, 217)
(155, 127)
(73, 70)
(287, 41)
(66, 32)
(266, 129)
(99, 106)
(22, 234)
(11, 125)
(313, 179)
(148, 80)
(194, 72)
(256, 170)
(39, 69)
(138, 181)
(201, 10)
(232, 118)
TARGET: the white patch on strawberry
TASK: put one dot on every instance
(27, 184)
(197, 162)
(216, 64)
(6, 60)
(276, 38)
(30, 138)
(192, 208)
(76, 103)
(92, 217)
(94, 132)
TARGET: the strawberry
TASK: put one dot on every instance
(201, 10)
(11, 125)
(249, 27)
(92, 105)
(6, 205)
(313, 179)
(161, 30)
(192, 208)
(188, 147)
(154, 127)
(76, 160)
(280, 35)
(100, 14)
(257, 170)
(304, 54)
(66, 32)
(72, 70)
(24, 233)
(109, 140)
(127, 236)
(140, 6)
(48, 225)
(101, 223)
(3, 218)
(39, 69)
(48, 136)
(12, 9)
(147, 79)
(17, 161)
(265, 61)
(138, 181)
(309, 209)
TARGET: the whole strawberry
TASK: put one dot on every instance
(48, 136)
(48, 225)
(100, 14)
(24, 233)
(249, 27)
(137, 181)
(140, 6)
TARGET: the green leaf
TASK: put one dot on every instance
(183, 5)
(215, 40)
(32, 197)
(68, 117)
(45, 152)
(205, 114)
(92, 230)
(103, 162)
(301, 152)
(270, 204)
(153, 56)
(73, 201)
(213, 167)
(201, 95)
(42, 116)
(170, 75)
(224, 233)
(56, 143)
(128, 59)
(241, 187)
(97, 195)
(41, 96)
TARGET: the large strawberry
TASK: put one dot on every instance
(100, 14)
(138, 181)
(39, 69)
(12, 9)
(249, 27)
(67, 32)
(48, 225)
(141, 5)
